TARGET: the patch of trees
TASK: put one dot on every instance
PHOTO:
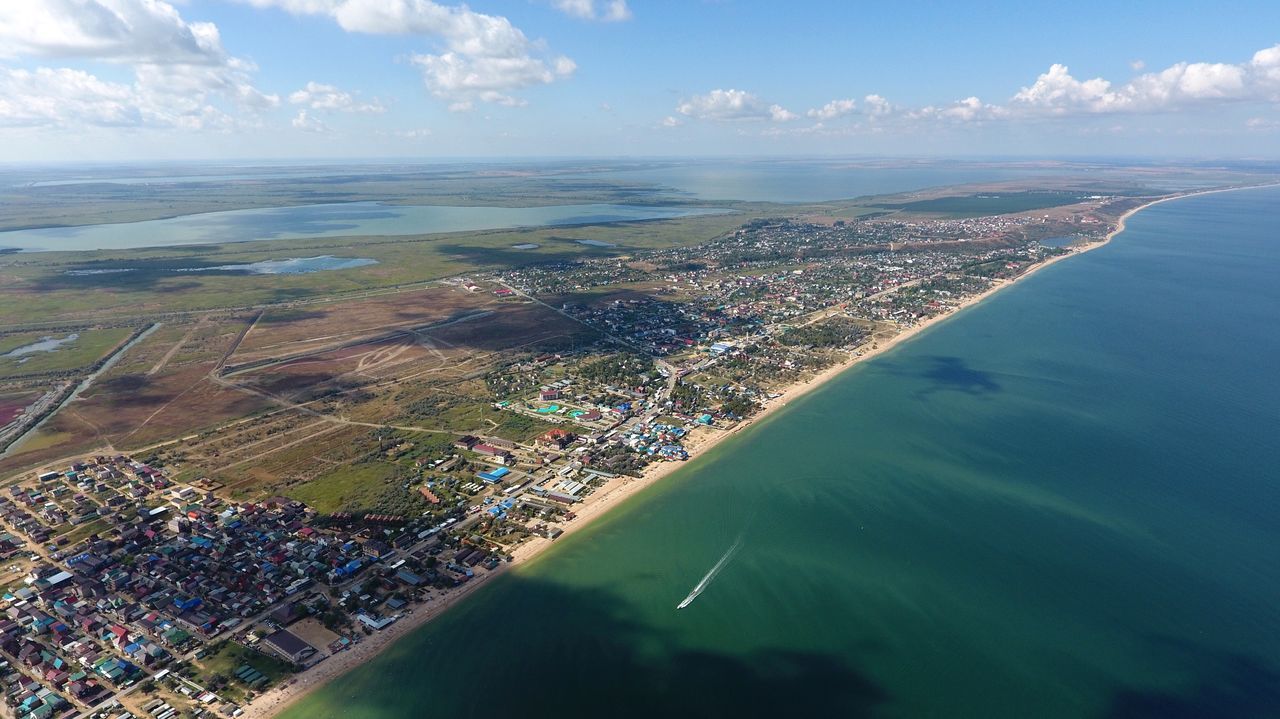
(836, 332)
(624, 369)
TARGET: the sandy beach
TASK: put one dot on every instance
(620, 489)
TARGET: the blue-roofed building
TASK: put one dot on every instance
(494, 476)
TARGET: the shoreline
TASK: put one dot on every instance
(618, 490)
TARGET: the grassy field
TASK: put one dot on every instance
(981, 205)
(37, 286)
(93, 203)
(159, 390)
(352, 487)
(88, 347)
(230, 656)
(75, 535)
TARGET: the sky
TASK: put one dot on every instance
(113, 80)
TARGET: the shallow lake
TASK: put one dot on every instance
(328, 220)
(46, 344)
(291, 266)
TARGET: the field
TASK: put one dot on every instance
(305, 400)
(88, 347)
(12, 404)
(980, 205)
(221, 665)
(161, 389)
(37, 286)
(91, 203)
(353, 486)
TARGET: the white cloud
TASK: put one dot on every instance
(487, 78)
(970, 109)
(180, 67)
(134, 31)
(1181, 85)
(876, 106)
(778, 113)
(483, 59)
(418, 133)
(833, 109)
(62, 96)
(309, 123)
(65, 97)
(1055, 93)
(1265, 69)
(319, 96)
(671, 121)
(1138, 65)
(604, 10)
(1262, 124)
(729, 105)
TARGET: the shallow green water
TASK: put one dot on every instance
(1061, 503)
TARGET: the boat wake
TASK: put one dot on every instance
(706, 580)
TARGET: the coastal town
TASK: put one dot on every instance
(613, 359)
(160, 585)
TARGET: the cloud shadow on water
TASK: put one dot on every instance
(574, 652)
(1228, 684)
(948, 374)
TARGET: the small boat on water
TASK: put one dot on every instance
(706, 579)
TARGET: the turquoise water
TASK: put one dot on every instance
(1061, 503)
(329, 220)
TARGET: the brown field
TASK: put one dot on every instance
(293, 330)
(12, 404)
(161, 390)
(298, 400)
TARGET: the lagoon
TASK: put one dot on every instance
(326, 220)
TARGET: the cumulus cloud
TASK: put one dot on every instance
(604, 11)
(1178, 86)
(970, 109)
(181, 69)
(486, 78)
(61, 96)
(319, 96)
(1265, 69)
(732, 105)
(65, 97)
(309, 123)
(483, 58)
(1055, 93)
(417, 133)
(135, 31)
(876, 106)
(833, 109)
(670, 121)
